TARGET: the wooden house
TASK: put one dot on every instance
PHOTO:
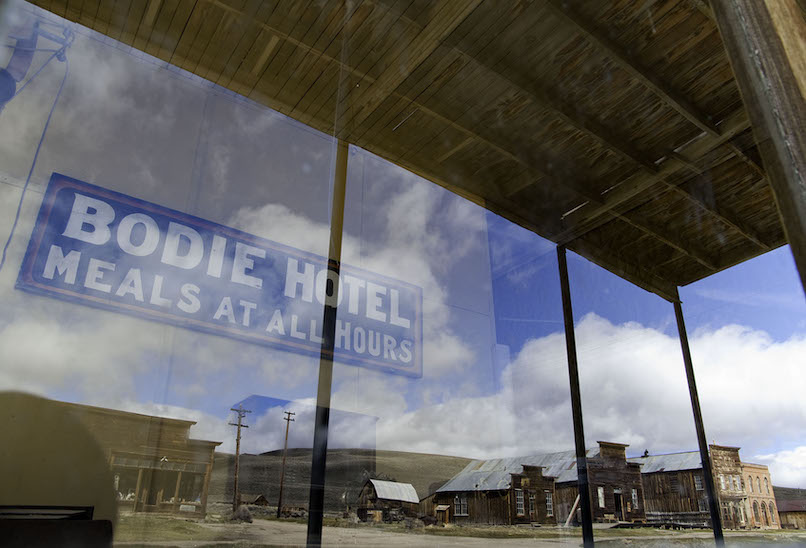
(676, 493)
(540, 489)
(254, 499)
(157, 467)
(381, 500)
(791, 504)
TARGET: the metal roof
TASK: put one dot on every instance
(673, 462)
(496, 474)
(392, 490)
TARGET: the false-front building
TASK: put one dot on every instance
(675, 490)
(540, 489)
(157, 467)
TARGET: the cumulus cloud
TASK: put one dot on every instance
(787, 468)
(633, 391)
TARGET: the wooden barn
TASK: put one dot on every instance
(381, 500)
(541, 489)
(675, 489)
(157, 467)
(791, 504)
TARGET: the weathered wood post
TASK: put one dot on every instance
(322, 421)
(576, 402)
(766, 45)
(707, 470)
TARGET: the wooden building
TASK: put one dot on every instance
(540, 489)
(675, 489)
(791, 504)
(380, 500)
(157, 467)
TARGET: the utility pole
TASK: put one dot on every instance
(236, 496)
(288, 420)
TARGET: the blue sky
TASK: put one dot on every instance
(494, 368)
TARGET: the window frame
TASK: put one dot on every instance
(520, 507)
(460, 505)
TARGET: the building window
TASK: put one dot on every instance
(755, 512)
(758, 484)
(701, 506)
(772, 513)
(532, 503)
(635, 498)
(750, 483)
(519, 502)
(721, 482)
(600, 490)
(460, 505)
(549, 503)
(698, 483)
(737, 483)
(764, 513)
(767, 485)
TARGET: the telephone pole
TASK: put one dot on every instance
(236, 496)
(288, 420)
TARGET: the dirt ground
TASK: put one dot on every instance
(179, 533)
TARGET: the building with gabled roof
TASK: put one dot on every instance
(383, 500)
(542, 489)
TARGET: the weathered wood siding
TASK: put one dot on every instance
(673, 492)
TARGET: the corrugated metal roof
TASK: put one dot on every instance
(496, 474)
(392, 490)
(690, 460)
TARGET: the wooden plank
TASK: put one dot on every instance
(587, 218)
(766, 44)
(439, 27)
(160, 28)
(628, 63)
(622, 266)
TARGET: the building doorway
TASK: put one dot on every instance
(619, 508)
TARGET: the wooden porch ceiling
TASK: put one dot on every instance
(614, 127)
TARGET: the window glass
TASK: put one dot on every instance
(368, 269)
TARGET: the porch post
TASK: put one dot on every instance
(766, 45)
(576, 403)
(707, 471)
(319, 455)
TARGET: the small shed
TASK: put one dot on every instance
(387, 500)
(254, 499)
(791, 507)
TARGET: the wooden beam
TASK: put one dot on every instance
(631, 65)
(625, 268)
(589, 218)
(569, 114)
(766, 45)
(533, 160)
(448, 15)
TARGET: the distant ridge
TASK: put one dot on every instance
(347, 470)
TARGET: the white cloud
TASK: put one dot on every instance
(633, 391)
(787, 468)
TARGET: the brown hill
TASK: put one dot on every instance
(347, 470)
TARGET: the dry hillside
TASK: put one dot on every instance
(347, 469)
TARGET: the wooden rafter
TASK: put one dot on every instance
(628, 63)
(531, 159)
(590, 218)
(446, 18)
